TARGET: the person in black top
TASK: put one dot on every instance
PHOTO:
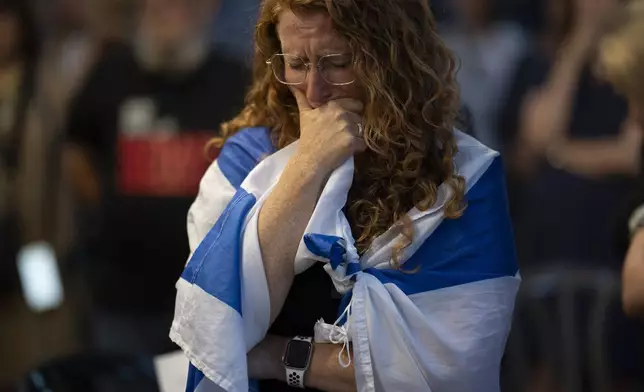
(573, 154)
(569, 146)
(621, 60)
(136, 136)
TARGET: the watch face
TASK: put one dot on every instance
(298, 354)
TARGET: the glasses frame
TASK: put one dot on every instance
(308, 65)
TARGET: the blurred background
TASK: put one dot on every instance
(105, 109)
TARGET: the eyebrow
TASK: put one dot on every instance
(321, 54)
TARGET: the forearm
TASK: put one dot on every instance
(571, 60)
(282, 221)
(633, 277)
(597, 158)
(547, 110)
(325, 372)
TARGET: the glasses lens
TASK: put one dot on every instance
(337, 68)
(288, 69)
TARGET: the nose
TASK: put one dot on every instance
(318, 91)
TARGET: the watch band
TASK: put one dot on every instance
(636, 220)
(295, 377)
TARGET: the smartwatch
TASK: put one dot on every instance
(636, 220)
(297, 359)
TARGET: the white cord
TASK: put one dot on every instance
(340, 334)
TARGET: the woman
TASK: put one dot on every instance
(568, 139)
(573, 154)
(351, 114)
(621, 59)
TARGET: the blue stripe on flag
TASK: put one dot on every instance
(477, 246)
(215, 265)
(326, 246)
(353, 268)
(242, 152)
(194, 378)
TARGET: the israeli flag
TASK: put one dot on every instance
(438, 322)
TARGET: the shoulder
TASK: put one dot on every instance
(243, 151)
(473, 158)
(477, 246)
(485, 223)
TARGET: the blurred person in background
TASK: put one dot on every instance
(573, 154)
(621, 59)
(488, 51)
(74, 34)
(568, 141)
(135, 152)
(23, 202)
(18, 63)
(75, 31)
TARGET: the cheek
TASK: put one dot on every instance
(300, 87)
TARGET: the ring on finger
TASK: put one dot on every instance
(360, 130)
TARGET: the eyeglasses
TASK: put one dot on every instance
(335, 69)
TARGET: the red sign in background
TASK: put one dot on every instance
(162, 165)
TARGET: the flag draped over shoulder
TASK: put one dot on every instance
(439, 323)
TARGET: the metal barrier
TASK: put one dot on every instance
(562, 287)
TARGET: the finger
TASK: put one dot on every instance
(348, 104)
(359, 145)
(352, 120)
(302, 101)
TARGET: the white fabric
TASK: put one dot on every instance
(203, 346)
(449, 339)
(214, 194)
(443, 337)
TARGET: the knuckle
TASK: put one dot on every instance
(340, 118)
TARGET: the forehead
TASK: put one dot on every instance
(308, 31)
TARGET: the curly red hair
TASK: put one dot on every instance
(408, 76)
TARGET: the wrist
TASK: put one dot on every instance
(265, 359)
(277, 347)
(307, 169)
(297, 359)
(636, 221)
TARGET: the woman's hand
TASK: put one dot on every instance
(328, 134)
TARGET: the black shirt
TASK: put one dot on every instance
(147, 134)
(311, 298)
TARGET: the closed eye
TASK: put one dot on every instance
(296, 65)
